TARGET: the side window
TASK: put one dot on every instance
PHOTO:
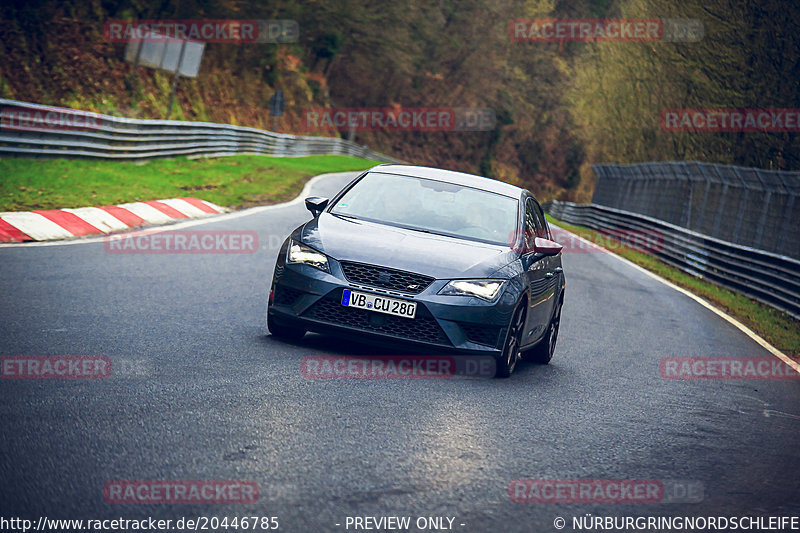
(545, 233)
(533, 227)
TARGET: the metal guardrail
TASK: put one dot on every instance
(770, 278)
(33, 130)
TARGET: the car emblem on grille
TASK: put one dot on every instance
(412, 287)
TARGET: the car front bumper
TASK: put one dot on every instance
(306, 296)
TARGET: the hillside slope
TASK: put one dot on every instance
(559, 106)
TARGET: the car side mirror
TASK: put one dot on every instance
(316, 204)
(546, 247)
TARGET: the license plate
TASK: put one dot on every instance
(381, 304)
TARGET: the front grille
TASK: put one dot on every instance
(385, 278)
(481, 334)
(286, 295)
(422, 328)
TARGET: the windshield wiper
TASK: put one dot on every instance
(426, 231)
(345, 216)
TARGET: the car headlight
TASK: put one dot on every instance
(300, 253)
(485, 289)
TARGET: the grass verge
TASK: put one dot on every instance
(236, 181)
(776, 327)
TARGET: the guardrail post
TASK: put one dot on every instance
(720, 209)
(645, 182)
(762, 221)
(620, 182)
(686, 215)
(742, 205)
(701, 215)
(787, 220)
(763, 218)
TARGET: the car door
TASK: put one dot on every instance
(552, 268)
(536, 276)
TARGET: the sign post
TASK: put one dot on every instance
(177, 74)
(276, 105)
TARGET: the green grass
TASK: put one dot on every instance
(777, 328)
(237, 181)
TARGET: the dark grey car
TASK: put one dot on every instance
(440, 260)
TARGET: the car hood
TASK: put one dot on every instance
(379, 244)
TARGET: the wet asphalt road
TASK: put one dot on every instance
(200, 391)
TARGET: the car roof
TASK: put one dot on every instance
(451, 176)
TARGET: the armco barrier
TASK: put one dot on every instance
(33, 130)
(764, 276)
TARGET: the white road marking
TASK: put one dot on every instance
(147, 212)
(98, 218)
(780, 414)
(182, 206)
(215, 207)
(36, 226)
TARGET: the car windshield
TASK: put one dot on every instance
(431, 206)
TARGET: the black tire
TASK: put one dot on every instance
(283, 330)
(507, 361)
(543, 352)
